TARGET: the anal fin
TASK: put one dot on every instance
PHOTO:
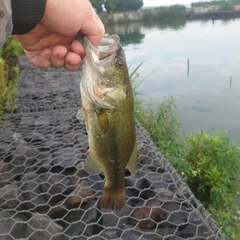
(80, 115)
(91, 166)
(133, 161)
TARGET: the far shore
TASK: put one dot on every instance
(211, 12)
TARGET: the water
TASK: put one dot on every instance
(207, 92)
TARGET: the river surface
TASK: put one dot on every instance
(196, 62)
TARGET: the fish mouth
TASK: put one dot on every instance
(95, 63)
(104, 52)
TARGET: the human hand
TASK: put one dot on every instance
(54, 41)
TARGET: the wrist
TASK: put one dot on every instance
(26, 14)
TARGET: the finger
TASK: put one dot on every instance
(41, 59)
(58, 56)
(72, 61)
(93, 29)
(98, 35)
(77, 47)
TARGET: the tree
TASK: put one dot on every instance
(109, 5)
(134, 5)
(97, 4)
(122, 5)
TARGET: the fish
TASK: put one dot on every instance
(108, 109)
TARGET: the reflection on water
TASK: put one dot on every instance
(173, 23)
(128, 33)
(208, 96)
(198, 109)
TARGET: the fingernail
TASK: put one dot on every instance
(73, 63)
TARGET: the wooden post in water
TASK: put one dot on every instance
(230, 82)
(188, 67)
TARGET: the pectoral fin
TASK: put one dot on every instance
(80, 115)
(133, 161)
(91, 166)
(103, 121)
(115, 97)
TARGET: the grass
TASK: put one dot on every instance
(9, 74)
(208, 162)
(160, 13)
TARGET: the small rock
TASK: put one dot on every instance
(10, 196)
(3, 166)
(81, 194)
(16, 224)
(66, 157)
(165, 195)
(77, 221)
(18, 139)
(131, 234)
(110, 234)
(109, 219)
(150, 212)
(6, 223)
(42, 120)
(178, 217)
(31, 191)
(148, 236)
(34, 137)
(22, 157)
(44, 228)
(6, 178)
(164, 229)
(56, 186)
(27, 122)
(187, 231)
(5, 124)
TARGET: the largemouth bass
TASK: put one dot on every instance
(107, 104)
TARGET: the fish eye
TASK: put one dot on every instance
(120, 62)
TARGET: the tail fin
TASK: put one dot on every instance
(113, 199)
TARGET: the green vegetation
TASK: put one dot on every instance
(9, 74)
(122, 5)
(226, 5)
(117, 5)
(97, 4)
(207, 4)
(236, 2)
(159, 13)
(208, 162)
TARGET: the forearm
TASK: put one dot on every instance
(19, 16)
(26, 14)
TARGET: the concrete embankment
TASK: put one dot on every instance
(212, 12)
